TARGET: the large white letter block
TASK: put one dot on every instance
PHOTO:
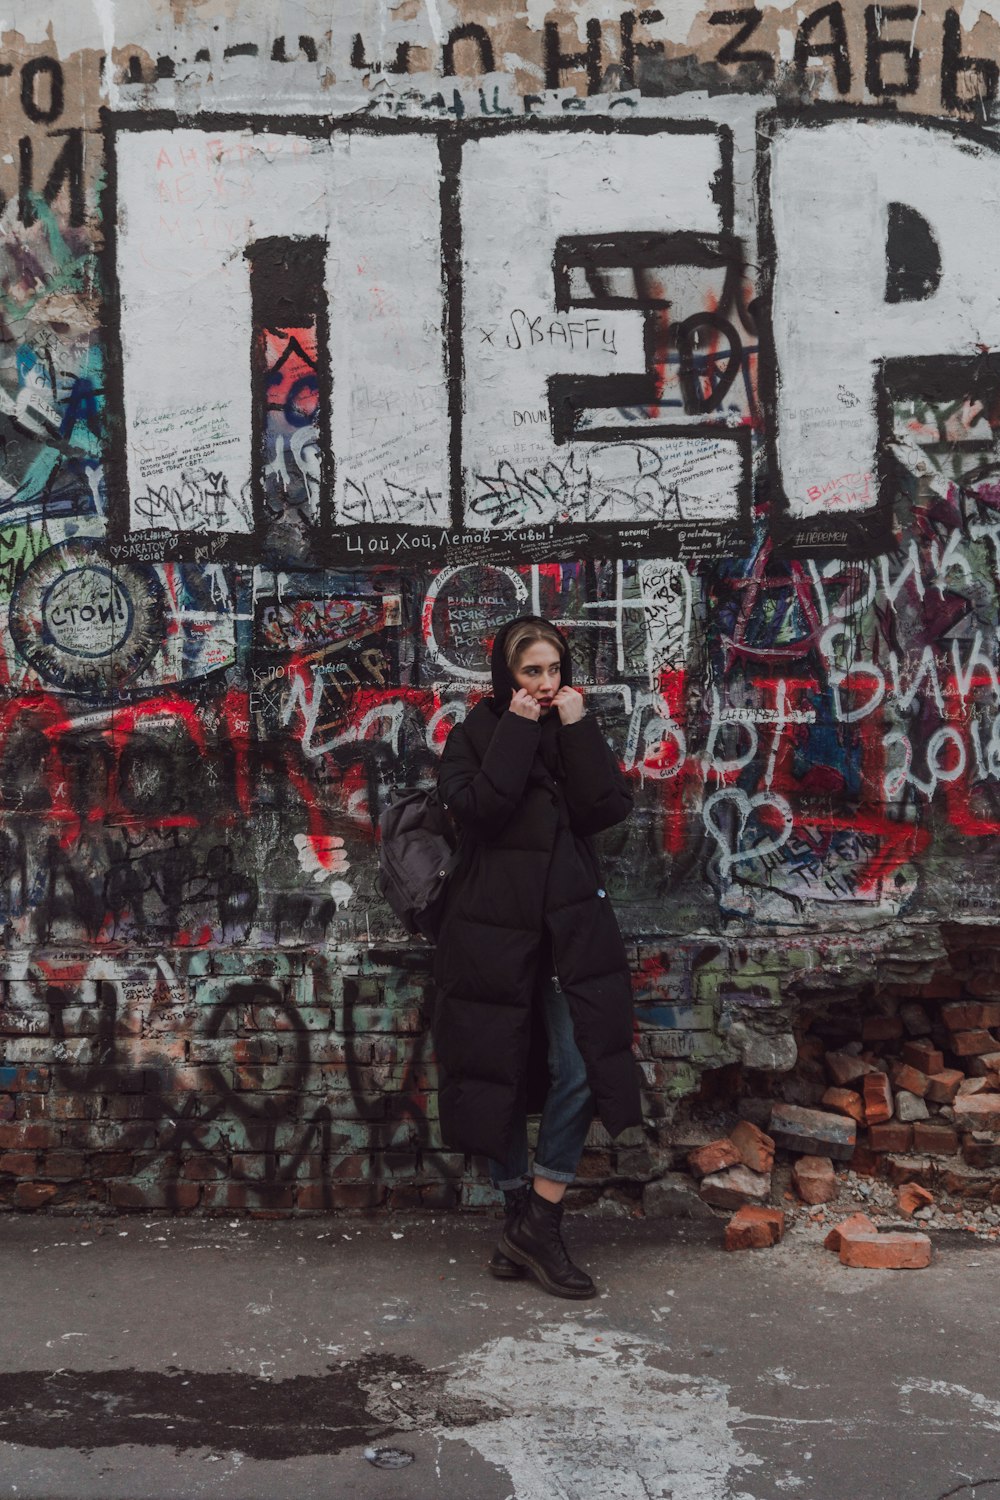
(574, 243)
(192, 206)
(847, 334)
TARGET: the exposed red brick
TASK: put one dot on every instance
(19, 1163)
(844, 1069)
(981, 1150)
(224, 1197)
(978, 1111)
(24, 1137)
(814, 1179)
(900, 1169)
(974, 1086)
(355, 1167)
(270, 1199)
(891, 1135)
(81, 1194)
(143, 1196)
(943, 1085)
(910, 1196)
(968, 1182)
(989, 1010)
(878, 1098)
(35, 1107)
(754, 1227)
(67, 1165)
(314, 1195)
(886, 1252)
(734, 1187)
(966, 1016)
(814, 1131)
(436, 1195)
(202, 1169)
(810, 1049)
(714, 1157)
(845, 1102)
(934, 1137)
(756, 1149)
(34, 1194)
(881, 1029)
(109, 1164)
(865, 1162)
(923, 1056)
(854, 1224)
(910, 1079)
(6, 1106)
(984, 984)
(941, 987)
(30, 1080)
(972, 1043)
(405, 1198)
(358, 1195)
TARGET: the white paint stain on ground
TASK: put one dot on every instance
(985, 1408)
(590, 1415)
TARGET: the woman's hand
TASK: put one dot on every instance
(570, 705)
(525, 706)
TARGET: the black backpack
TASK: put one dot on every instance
(416, 854)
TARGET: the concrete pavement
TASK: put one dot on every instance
(161, 1359)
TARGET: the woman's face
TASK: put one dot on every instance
(538, 671)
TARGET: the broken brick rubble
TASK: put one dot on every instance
(813, 1130)
(893, 1251)
(911, 1196)
(734, 1187)
(714, 1157)
(754, 1227)
(814, 1179)
(878, 1098)
(755, 1148)
(854, 1224)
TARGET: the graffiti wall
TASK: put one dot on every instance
(324, 351)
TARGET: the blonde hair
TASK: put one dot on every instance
(525, 633)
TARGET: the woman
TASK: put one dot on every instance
(528, 932)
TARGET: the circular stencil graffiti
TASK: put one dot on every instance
(465, 605)
(84, 624)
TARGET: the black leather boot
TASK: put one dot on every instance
(501, 1265)
(535, 1240)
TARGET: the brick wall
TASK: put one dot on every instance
(218, 1082)
(282, 1083)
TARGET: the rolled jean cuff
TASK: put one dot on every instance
(510, 1184)
(552, 1175)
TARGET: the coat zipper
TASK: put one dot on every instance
(555, 967)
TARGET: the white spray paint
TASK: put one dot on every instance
(190, 204)
(985, 1408)
(831, 186)
(743, 809)
(589, 1415)
(520, 194)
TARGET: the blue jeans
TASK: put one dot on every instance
(568, 1109)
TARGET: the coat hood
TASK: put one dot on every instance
(504, 685)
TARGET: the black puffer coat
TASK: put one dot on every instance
(528, 891)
